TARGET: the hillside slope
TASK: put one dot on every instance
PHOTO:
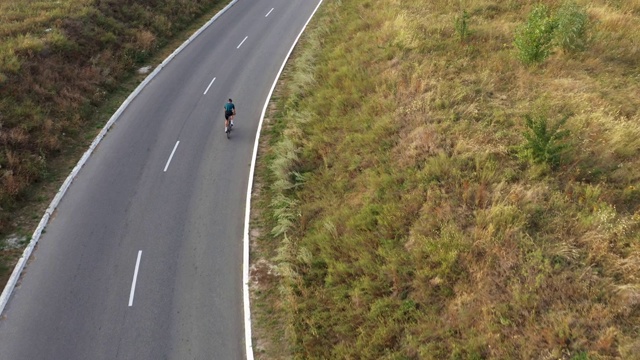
(410, 211)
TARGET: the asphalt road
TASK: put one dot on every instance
(177, 225)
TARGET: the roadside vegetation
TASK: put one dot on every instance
(64, 68)
(453, 180)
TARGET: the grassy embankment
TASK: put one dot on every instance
(409, 212)
(65, 66)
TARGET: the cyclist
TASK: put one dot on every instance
(229, 113)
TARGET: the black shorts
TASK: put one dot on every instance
(228, 114)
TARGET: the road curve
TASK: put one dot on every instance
(143, 257)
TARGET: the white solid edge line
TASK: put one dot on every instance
(242, 42)
(247, 213)
(26, 254)
(211, 83)
(171, 156)
(135, 279)
(269, 12)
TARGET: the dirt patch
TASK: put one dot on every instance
(263, 273)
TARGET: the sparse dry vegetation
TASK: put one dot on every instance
(406, 222)
(59, 62)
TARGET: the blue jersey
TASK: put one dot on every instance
(229, 107)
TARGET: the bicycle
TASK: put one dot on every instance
(228, 131)
(229, 114)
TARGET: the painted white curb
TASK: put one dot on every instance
(15, 275)
(247, 213)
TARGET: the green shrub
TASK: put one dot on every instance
(534, 39)
(580, 356)
(544, 143)
(572, 26)
(462, 26)
(9, 62)
(57, 41)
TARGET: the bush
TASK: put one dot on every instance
(572, 26)
(534, 39)
(544, 144)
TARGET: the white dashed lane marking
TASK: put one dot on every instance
(171, 156)
(211, 83)
(135, 278)
(245, 39)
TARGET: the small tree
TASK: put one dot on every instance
(544, 143)
(534, 39)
